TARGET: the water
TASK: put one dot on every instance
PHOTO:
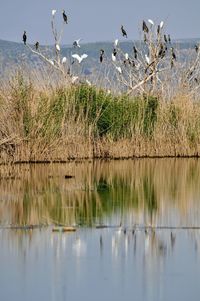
(149, 250)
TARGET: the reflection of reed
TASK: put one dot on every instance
(151, 192)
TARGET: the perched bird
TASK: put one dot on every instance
(76, 43)
(169, 39)
(57, 47)
(165, 38)
(116, 42)
(64, 60)
(151, 22)
(145, 27)
(173, 54)
(114, 58)
(196, 47)
(79, 58)
(124, 32)
(161, 52)
(37, 45)
(65, 17)
(101, 55)
(135, 52)
(53, 12)
(161, 24)
(24, 37)
(147, 59)
(158, 30)
(119, 69)
(52, 62)
(126, 56)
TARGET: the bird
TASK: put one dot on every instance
(24, 37)
(76, 43)
(151, 22)
(173, 54)
(116, 42)
(51, 62)
(65, 17)
(135, 52)
(196, 47)
(169, 39)
(161, 24)
(147, 59)
(145, 27)
(119, 69)
(53, 12)
(37, 45)
(79, 58)
(114, 58)
(158, 29)
(114, 52)
(165, 38)
(126, 56)
(64, 60)
(124, 32)
(101, 55)
(57, 47)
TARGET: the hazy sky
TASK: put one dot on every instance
(96, 20)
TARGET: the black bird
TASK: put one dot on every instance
(37, 45)
(64, 17)
(24, 37)
(196, 48)
(165, 38)
(135, 52)
(124, 32)
(145, 27)
(114, 52)
(101, 55)
(158, 29)
(169, 39)
(173, 54)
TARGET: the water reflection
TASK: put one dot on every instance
(140, 192)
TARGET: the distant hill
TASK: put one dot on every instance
(16, 54)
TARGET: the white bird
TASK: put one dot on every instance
(116, 42)
(113, 58)
(147, 59)
(76, 43)
(79, 58)
(51, 62)
(64, 60)
(119, 69)
(161, 24)
(53, 12)
(88, 82)
(126, 56)
(74, 79)
(151, 22)
(57, 47)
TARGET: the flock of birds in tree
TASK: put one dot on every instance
(164, 42)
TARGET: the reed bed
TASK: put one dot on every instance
(59, 123)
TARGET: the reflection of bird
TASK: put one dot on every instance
(76, 43)
(145, 27)
(101, 55)
(37, 45)
(79, 58)
(24, 37)
(135, 52)
(64, 17)
(124, 32)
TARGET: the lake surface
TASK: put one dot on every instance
(137, 231)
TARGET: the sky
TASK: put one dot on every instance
(96, 20)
